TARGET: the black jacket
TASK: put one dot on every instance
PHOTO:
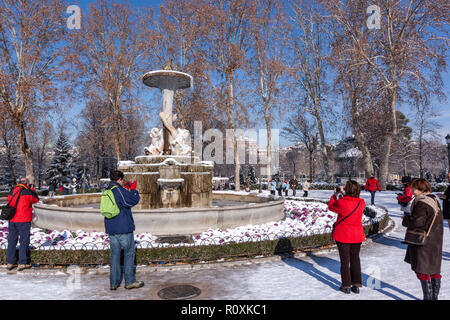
(446, 204)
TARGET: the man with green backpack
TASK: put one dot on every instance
(115, 205)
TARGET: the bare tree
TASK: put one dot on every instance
(269, 46)
(228, 43)
(107, 55)
(300, 129)
(309, 46)
(31, 35)
(409, 53)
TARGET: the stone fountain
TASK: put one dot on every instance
(174, 185)
(169, 175)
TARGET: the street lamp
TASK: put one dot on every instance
(447, 139)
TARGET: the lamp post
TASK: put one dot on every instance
(447, 139)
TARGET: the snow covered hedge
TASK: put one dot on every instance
(307, 224)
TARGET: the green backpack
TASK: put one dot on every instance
(108, 206)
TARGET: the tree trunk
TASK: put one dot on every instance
(311, 166)
(322, 141)
(26, 151)
(360, 139)
(384, 168)
(269, 145)
(421, 154)
(229, 112)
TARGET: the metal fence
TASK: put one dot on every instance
(194, 250)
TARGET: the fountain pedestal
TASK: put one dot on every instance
(170, 181)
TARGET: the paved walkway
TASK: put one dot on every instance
(385, 275)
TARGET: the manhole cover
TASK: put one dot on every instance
(179, 292)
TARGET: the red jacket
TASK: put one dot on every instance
(351, 230)
(24, 209)
(372, 185)
(406, 196)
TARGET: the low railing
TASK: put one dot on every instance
(206, 250)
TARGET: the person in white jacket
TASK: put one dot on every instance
(306, 188)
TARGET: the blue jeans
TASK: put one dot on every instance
(372, 197)
(18, 231)
(118, 242)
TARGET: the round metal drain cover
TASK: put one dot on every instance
(179, 292)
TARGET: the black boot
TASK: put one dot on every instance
(345, 290)
(427, 290)
(436, 286)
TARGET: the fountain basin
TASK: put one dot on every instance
(59, 214)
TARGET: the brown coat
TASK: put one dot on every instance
(425, 259)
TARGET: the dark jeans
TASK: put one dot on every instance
(18, 231)
(118, 242)
(294, 192)
(350, 264)
(280, 192)
(372, 197)
(305, 193)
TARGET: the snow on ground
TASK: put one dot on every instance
(385, 275)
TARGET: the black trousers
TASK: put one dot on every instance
(350, 264)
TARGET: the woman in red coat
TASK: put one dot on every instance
(349, 234)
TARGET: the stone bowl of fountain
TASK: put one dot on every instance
(174, 185)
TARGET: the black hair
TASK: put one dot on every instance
(116, 175)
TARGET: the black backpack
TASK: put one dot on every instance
(8, 211)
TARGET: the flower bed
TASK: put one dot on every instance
(307, 223)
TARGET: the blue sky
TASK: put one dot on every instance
(443, 109)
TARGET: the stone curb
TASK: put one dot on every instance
(104, 270)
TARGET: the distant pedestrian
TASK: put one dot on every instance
(446, 201)
(372, 186)
(273, 186)
(293, 183)
(65, 189)
(121, 232)
(425, 259)
(279, 187)
(22, 198)
(51, 189)
(286, 190)
(247, 185)
(283, 186)
(74, 186)
(306, 186)
(348, 233)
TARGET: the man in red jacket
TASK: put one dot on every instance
(22, 197)
(372, 186)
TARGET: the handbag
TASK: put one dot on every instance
(8, 211)
(336, 223)
(419, 237)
